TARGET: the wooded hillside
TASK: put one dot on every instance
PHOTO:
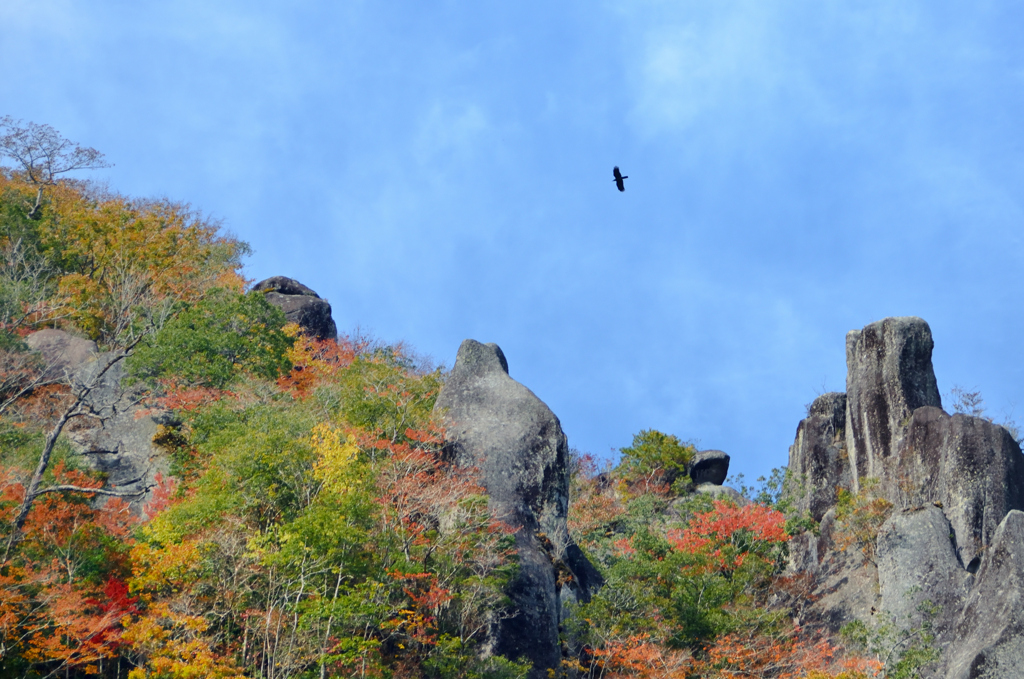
(311, 523)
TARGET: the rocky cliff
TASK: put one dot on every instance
(947, 489)
(499, 426)
(946, 492)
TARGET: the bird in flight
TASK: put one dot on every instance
(618, 178)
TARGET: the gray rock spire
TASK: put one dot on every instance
(499, 426)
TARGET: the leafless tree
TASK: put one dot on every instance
(26, 286)
(43, 154)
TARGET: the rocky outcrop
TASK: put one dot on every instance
(817, 470)
(722, 493)
(846, 583)
(120, 441)
(499, 426)
(117, 439)
(973, 467)
(889, 375)
(920, 578)
(61, 352)
(709, 466)
(818, 467)
(708, 470)
(300, 305)
(954, 482)
(988, 640)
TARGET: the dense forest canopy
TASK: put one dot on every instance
(310, 525)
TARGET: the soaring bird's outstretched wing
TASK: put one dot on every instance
(621, 185)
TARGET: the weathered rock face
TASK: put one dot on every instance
(501, 427)
(818, 467)
(118, 442)
(889, 375)
(709, 466)
(988, 640)
(121, 443)
(917, 562)
(62, 353)
(847, 584)
(300, 305)
(971, 466)
(955, 483)
(722, 493)
(708, 470)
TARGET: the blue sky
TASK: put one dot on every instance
(442, 170)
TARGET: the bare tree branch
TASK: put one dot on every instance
(43, 154)
(78, 408)
(97, 491)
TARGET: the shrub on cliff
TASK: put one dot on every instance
(656, 458)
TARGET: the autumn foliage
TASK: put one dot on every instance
(63, 600)
(310, 525)
(693, 589)
(316, 533)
